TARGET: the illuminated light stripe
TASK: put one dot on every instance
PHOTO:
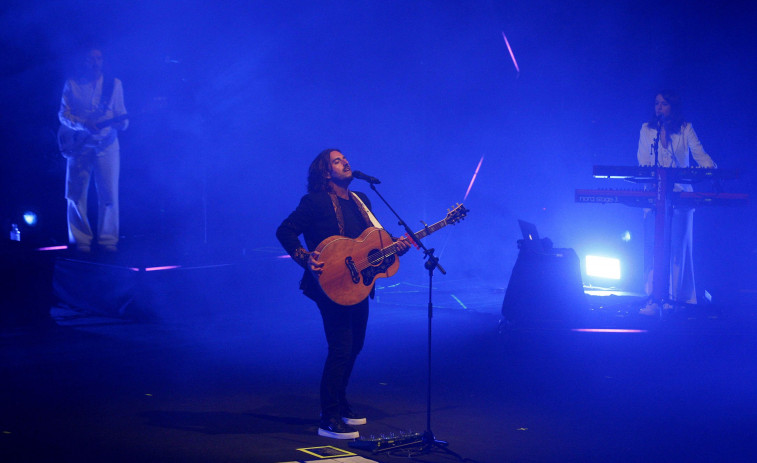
(458, 301)
(53, 248)
(606, 330)
(511, 52)
(166, 267)
(474, 178)
(285, 256)
(603, 267)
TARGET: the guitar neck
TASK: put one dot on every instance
(420, 234)
(114, 120)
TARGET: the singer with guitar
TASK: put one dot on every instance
(91, 114)
(331, 210)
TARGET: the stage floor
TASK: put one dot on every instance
(240, 384)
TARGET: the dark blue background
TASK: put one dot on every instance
(413, 92)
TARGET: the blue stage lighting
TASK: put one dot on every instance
(30, 218)
(603, 267)
(626, 236)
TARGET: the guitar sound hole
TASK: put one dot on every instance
(375, 257)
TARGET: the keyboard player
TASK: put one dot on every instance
(670, 141)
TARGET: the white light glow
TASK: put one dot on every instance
(603, 267)
(30, 218)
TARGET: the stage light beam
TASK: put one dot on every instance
(473, 179)
(512, 55)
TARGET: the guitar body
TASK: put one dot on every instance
(73, 142)
(352, 265)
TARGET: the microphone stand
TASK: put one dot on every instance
(428, 441)
(656, 144)
(663, 187)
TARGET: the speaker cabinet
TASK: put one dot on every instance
(545, 287)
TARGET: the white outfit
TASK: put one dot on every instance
(81, 102)
(676, 154)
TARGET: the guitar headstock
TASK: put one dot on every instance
(455, 215)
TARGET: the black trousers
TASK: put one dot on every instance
(345, 333)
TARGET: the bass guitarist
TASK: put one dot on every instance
(91, 149)
(328, 209)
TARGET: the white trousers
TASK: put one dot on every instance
(682, 287)
(104, 167)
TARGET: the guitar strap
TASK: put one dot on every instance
(364, 211)
(109, 84)
(367, 211)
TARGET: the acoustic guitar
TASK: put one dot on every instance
(353, 265)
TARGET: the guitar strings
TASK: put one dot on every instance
(363, 263)
(370, 259)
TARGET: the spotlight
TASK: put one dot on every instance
(603, 267)
(30, 218)
(626, 236)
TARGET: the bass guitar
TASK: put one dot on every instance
(353, 265)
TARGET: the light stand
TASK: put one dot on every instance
(429, 441)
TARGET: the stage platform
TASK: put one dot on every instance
(226, 368)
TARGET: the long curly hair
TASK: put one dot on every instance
(674, 123)
(320, 166)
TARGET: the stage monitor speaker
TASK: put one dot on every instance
(95, 287)
(545, 287)
(180, 293)
(27, 296)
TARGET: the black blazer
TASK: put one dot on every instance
(315, 219)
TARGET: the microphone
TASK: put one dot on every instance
(660, 120)
(367, 178)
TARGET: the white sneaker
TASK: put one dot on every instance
(650, 310)
(337, 430)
